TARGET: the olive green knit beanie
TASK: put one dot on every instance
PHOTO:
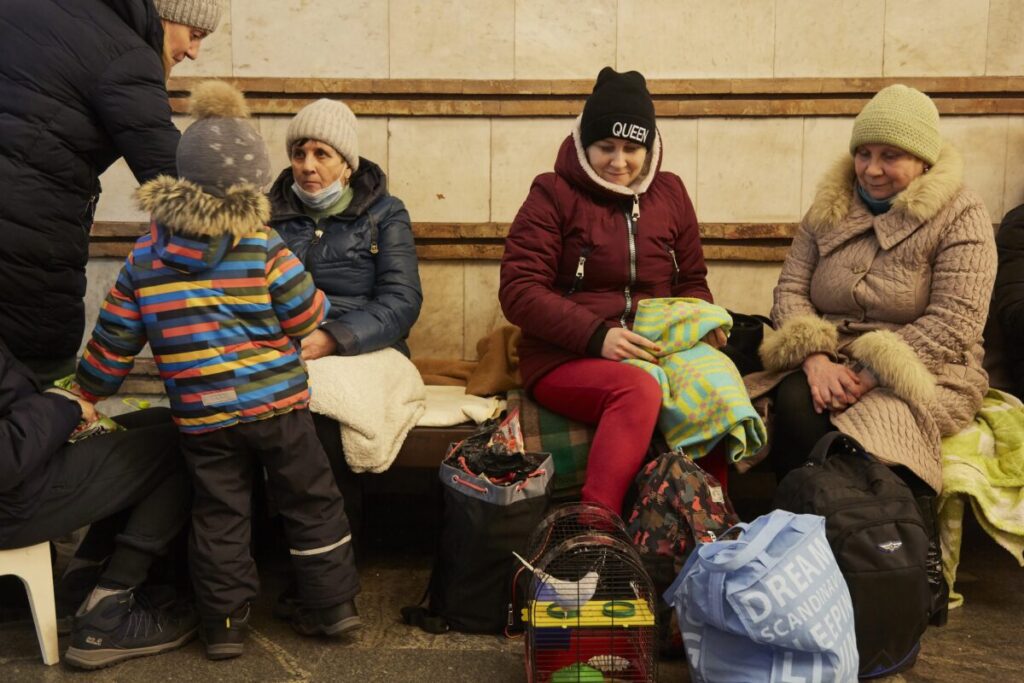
(902, 117)
(200, 14)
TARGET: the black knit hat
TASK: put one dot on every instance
(619, 107)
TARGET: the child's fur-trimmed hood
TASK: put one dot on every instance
(921, 201)
(181, 207)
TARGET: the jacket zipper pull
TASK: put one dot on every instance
(636, 208)
(373, 247)
(675, 265)
(317, 234)
(580, 265)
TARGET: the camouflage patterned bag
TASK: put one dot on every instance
(679, 506)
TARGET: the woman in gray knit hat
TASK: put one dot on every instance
(333, 210)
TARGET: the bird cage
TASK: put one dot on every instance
(589, 613)
(570, 520)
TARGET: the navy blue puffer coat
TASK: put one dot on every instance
(81, 84)
(363, 259)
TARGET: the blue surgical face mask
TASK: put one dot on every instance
(324, 199)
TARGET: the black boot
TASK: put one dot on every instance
(936, 580)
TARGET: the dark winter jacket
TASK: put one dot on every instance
(81, 84)
(363, 259)
(583, 252)
(1008, 298)
(219, 299)
(33, 427)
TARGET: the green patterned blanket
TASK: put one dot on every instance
(984, 464)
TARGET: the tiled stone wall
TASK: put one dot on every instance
(479, 169)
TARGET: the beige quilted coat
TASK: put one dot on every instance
(906, 293)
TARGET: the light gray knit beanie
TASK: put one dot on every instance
(221, 149)
(328, 121)
(201, 14)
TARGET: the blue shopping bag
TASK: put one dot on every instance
(769, 606)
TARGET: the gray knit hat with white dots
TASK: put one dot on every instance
(221, 148)
(201, 14)
(328, 121)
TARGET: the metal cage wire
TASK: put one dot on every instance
(590, 606)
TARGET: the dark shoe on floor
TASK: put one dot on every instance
(123, 626)
(224, 637)
(337, 620)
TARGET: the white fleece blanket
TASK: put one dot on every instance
(376, 397)
(450, 406)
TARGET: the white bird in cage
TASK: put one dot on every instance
(569, 595)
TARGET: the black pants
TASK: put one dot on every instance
(223, 465)
(795, 425)
(132, 483)
(348, 482)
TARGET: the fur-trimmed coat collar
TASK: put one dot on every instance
(837, 213)
(181, 207)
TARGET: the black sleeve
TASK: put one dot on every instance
(131, 102)
(33, 426)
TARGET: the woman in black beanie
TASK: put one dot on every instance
(604, 231)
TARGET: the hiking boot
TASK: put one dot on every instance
(224, 637)
(337, 620)
(124, 625)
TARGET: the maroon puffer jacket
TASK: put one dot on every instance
(576, 258)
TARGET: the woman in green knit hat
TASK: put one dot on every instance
(880, 305)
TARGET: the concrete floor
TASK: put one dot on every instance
(982, 643)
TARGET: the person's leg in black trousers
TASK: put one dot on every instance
(795, 425)
(319, 538)
(137, 476)
(329, 433)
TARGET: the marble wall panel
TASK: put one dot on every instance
(935, 37)
(441, 168)
(826, 141)
(981, 140)
(696, 38)
(743, 287)
(568, 39)
(749, 170)
(451, 39)
(310, 39)
(679, 144)
(1005, 49)
(440, 330)
(483, 312)
(521, 149)
(829, 38)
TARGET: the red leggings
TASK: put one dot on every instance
(623, 401)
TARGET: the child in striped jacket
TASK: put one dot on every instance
(222, 302)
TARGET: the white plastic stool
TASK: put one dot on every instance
(32, 566)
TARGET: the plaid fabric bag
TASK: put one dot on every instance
(679, 506)
(568, 443)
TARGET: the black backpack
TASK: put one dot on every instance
(875, 530)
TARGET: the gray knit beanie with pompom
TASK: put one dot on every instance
(221, 148)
